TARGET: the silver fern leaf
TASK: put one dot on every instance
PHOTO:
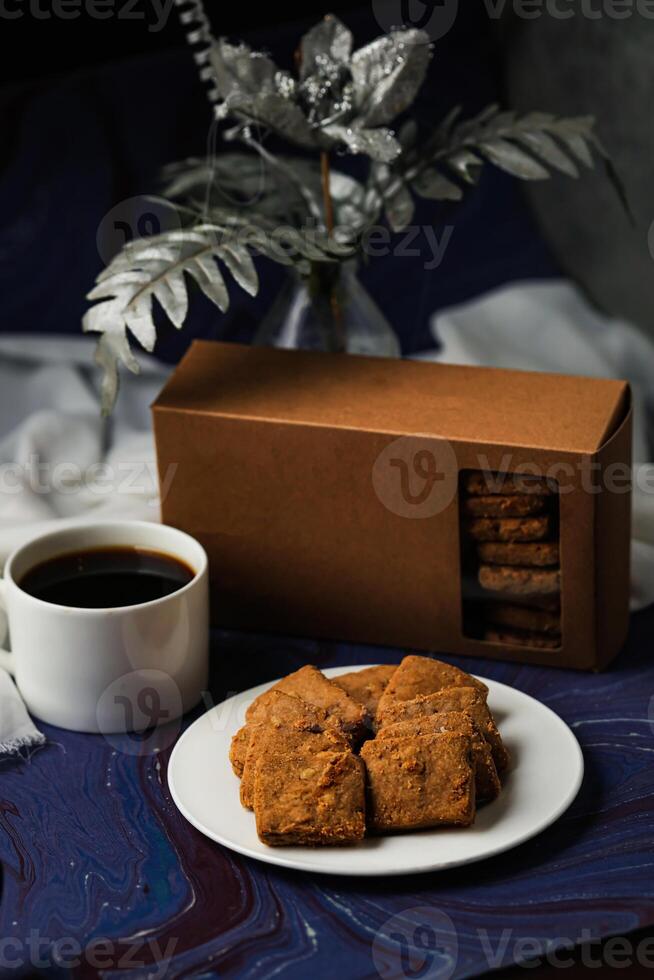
(529, 147)
(524, 146)
(151, 269)
(157, 267)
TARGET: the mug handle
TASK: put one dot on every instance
(6, 656)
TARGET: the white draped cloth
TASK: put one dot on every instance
(59, 460)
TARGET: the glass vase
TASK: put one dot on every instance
(328, 310)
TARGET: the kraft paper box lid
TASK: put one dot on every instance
(565, 413)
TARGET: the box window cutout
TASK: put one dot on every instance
(511, 585)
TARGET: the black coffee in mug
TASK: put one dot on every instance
(101, 578)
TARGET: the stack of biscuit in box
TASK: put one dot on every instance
(511, 520)
(384, 749)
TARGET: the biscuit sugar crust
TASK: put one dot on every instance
(308, 790)
(419, 781)
(487, 782)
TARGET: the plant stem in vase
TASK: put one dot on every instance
(337, 315)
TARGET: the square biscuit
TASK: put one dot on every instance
(308, 790)
(485, 482)
(367, 686)
(419, 781)
(527, 554)
(522, 617)
(502, 505)
(238, 749)
(450, 699)
(512, 580)
(424, 675)
(287, 713)
(522, 638)
(277, 706)
(487, 782)
(514, 529)
(312, 686)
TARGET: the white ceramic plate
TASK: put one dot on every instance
(546, 773)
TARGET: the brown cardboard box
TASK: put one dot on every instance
(326, 491)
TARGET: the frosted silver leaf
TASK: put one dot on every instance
(240, 70)
(513, 160)
(210, 280)
(112, 350)
(171, 294)
(282, 115)
(434, 185)
(329, 40)
(542, 145)
(388, 73)
(240, 264)
(138, 317)
(465, 165)
(379, 144)
(399, 208)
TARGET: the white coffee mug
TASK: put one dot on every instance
(111, 669)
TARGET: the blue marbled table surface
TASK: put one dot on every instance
(102, 875)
